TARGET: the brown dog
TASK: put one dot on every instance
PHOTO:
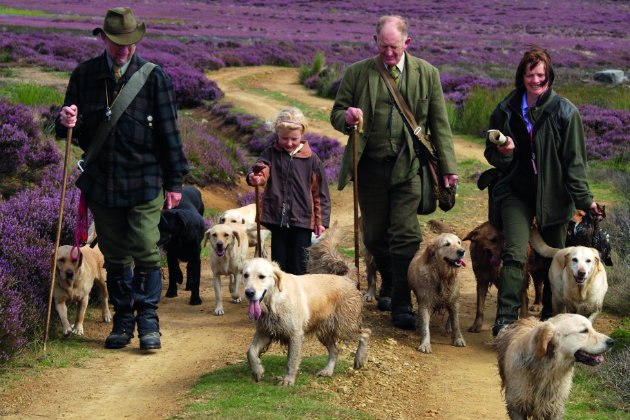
(286, 308)
(433, 279)
(74, 281)
(486, 245)
(536, 361)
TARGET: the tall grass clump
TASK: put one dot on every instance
(604, 96)
(474, 114)
(618, 296)
(306, 71)
(31, 94)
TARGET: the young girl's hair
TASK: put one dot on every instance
(292, 119)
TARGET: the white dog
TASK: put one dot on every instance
(229, 251)
(286, 308)
(246, 216)
(577, 278)
(536, 361)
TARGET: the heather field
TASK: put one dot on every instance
(475, 44)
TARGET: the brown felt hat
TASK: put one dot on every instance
(120, 26)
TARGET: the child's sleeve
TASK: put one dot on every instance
(320, 195)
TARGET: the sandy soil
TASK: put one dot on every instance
(398, 381)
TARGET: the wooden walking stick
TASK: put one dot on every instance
(355, 191)
(54, 261)
(258, 250)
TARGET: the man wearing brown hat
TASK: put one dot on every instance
(122, 111)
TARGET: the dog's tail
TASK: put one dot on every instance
(324, 256)
(539, 245)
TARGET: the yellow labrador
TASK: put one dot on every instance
(246, 216)
(286, 308)
(227, 256)
(433, 278)
(577, 278)
(73, 282)
(536, 361)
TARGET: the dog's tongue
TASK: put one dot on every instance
(254, 310)
(220, 252)
(462, 262)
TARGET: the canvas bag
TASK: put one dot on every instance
(433, 191)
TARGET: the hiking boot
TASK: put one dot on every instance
(150, 341)
(384, 303)
(117, 340)
(403, 317)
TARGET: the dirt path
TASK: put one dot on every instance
(399, 382)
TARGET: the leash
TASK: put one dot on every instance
(80, 233)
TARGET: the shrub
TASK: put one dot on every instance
(211, 159)
(618, 296)
(607, 132)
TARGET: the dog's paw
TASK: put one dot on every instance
(219, 312)
(195, 301)
(236, 300)
(170, 293)
(287, 381)
(326, 373)
(107, 317)
(475, 328)
(535, 308)
(77, 330)
(258, 373)
(425, 348)
(369, 297)
(67, 331)
(459, 342)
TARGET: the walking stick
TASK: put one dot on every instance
(355, 191)
(54, 264)
(258, 250)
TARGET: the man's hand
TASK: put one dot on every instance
(507, 148)
(68, 116)
(352, 115)
(449, 180)
(172, 200)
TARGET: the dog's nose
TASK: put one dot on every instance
(610, 342)
(250, 293)
(69, 274)
(219, 245)
(461, 252)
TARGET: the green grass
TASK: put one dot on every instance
(310, 112)
(232, 393)
(604, 96)
(21, 12)
(31, 94)
(589, 400)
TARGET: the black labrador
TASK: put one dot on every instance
(181, 233)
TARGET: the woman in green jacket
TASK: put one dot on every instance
(543, 157)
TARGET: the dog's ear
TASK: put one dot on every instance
(80, 260)
(237, 235)
(472, 235)
(543, 337)
(567, 260)
(429, 253)
(206, 236)
(277, 276)
(596, 260)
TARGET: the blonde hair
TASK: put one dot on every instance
(291, 119)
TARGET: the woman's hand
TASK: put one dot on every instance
(507, 148)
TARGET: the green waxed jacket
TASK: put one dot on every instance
(425, 98)
(560, 149)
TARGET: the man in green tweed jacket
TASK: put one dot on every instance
(139, 167)
(389, 184)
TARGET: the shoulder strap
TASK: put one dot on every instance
(129, 92)
(405, 112)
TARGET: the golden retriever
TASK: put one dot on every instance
(74, 281)
(324, 256)
(228, 254)
(577, 278)
(536, 361)
(486, 246)
(287, 307)
(433, 278)
(246, 216)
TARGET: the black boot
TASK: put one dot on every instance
(147, 287)
(120, 294)
(402, 310)
(509, 296)
(384, 266)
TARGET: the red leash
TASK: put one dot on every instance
(81, 232)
